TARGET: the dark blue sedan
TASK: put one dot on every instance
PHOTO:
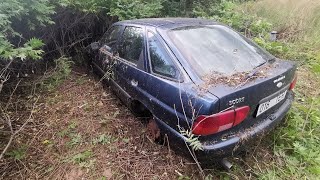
(197, 76)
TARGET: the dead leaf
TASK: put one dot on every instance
(107, 173)
(100, 104)
(74, 174)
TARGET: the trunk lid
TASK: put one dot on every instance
(252, 93)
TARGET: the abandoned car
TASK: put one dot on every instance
(198, 76)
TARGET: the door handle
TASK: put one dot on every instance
(134, 82)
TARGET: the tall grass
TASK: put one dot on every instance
(297, 142)
(295, 20)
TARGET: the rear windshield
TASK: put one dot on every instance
(217, 49)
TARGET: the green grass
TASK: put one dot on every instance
(297, 143)
(298, 20)
(83, 159)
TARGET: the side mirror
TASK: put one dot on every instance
(94, 46)
(107, 48)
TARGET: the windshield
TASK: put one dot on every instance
(217, 49)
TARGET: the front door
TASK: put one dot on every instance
(130, 60)
(108, 45)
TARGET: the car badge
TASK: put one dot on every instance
(279, 79)
(279, 85)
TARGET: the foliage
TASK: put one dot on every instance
(192, 140)
(17, 15)
(14, 15)
(18, 154)
(249, 25)
(103, 139)
(133, 9)
(83, 159)
(76, 139)
(295, 20)
(274, 47)
(297, 143)
(59, 74)
(121, 9)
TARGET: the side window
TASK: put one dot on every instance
(110, 38)
(131, 46)
(161, 62)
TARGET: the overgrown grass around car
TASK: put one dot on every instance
(296, 144)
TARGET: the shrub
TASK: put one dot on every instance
(19, 14)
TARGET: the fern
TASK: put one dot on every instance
(192, 140)
(34, 43)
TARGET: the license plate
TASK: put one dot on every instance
(269, 104)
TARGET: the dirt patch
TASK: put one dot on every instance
(82, 131)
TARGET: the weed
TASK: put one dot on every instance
(53, 100)
(126, 140)
(276, 48)
(192, 140)
(63, 133)
(87, 164)
(296, 20)
(103, 139)
(208, 177)
(76, 139)
(59, 74)
(18, 154)
(83, 159)
(182, 177)
(298, 141)
(80, 81)
(50, 169)
(87, 107)
(66, 132)
(73, 125)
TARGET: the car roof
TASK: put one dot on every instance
(168, 22)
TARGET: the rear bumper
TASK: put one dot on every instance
(217, 150)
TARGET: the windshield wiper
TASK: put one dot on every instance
(255, 70)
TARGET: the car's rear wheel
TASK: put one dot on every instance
(154, 132)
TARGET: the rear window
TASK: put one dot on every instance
(217, 49)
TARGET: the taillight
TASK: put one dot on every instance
(293, 83)
(206, 125)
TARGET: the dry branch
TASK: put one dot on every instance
(6, 119)
(14, 133)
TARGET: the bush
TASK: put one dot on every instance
(19, 14)
(61, 71)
